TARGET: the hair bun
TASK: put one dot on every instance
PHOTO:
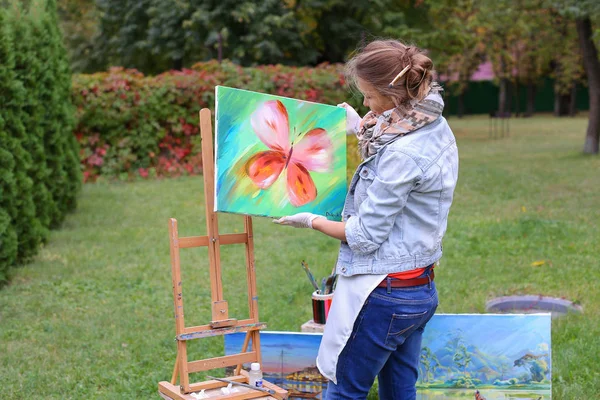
(396, 70)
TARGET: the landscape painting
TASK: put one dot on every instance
(503, 356)
(276, 156)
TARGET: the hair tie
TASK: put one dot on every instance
(393, 82)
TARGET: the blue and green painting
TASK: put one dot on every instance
(503, 356)
(277, 156)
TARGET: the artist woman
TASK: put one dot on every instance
(395, 216)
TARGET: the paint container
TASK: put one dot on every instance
(321, 304)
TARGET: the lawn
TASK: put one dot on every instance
(92, 315)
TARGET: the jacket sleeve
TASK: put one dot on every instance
(397, 174)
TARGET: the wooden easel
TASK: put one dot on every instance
(220, 324)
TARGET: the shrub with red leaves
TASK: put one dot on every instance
(133, 125)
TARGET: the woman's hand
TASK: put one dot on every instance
(352, 119)
(300, 220)
(317, 222)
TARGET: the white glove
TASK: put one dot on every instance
(300, 220)
(352, 119)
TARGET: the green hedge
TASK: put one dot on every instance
(39, 164)
(132, 125)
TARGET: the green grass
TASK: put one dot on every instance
(92, 316)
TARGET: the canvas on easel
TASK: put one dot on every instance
(221, 323)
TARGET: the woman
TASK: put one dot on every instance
(395, 216)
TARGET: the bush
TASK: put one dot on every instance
(131, 125)
(39, 167)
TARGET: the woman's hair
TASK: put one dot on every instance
(380, 61)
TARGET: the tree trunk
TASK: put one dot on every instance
(573, 101)
(502, 97)
(517, 99)
(509, 94)
(592, 70)
(530, 110)
(557, 103)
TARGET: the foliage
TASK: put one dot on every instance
(250, 32)
(79, 20)
(156, 35)
(538, 369)
(464, 382)
(131, 125)
(39, 168)
(453, 35)
(462, 358)
(428, 364)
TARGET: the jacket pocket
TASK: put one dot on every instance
(366, 176)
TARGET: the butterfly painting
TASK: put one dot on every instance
(277, 156)
(313, 152)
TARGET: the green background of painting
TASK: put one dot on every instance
(236, 142)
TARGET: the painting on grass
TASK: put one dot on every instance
(277, 156)
(503, 356)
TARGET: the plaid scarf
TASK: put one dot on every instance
(376, 130)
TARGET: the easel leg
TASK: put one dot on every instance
(184, 378)
(175, 371)
(238, 368)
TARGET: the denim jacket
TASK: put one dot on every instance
(397, 206)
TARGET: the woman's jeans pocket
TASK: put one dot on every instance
(408, 309)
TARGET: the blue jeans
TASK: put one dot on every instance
(385, 342)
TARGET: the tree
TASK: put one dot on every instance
(425, 363)
(166, 34)
(504, 367)
(455, 41)
(9, 89)
(79, 20)
(592, 69)
(39, 164)
(249, 32)
(18, 201)
(545, 46)
(538, 369)
(582, 11)
(429, 362)
(122, 34)
(503, 30)
(154, 35)
(536, 363)
(61, 148)
(462, 358)
(338, 27)
(29, 71)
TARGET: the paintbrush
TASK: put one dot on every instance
(311, 278)
(270, 391)
(329, 284)
(335, 279)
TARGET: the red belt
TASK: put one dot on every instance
(407, 282)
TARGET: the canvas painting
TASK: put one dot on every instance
(503, 356)
(276, 156)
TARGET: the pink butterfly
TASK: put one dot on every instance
(314, 152)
